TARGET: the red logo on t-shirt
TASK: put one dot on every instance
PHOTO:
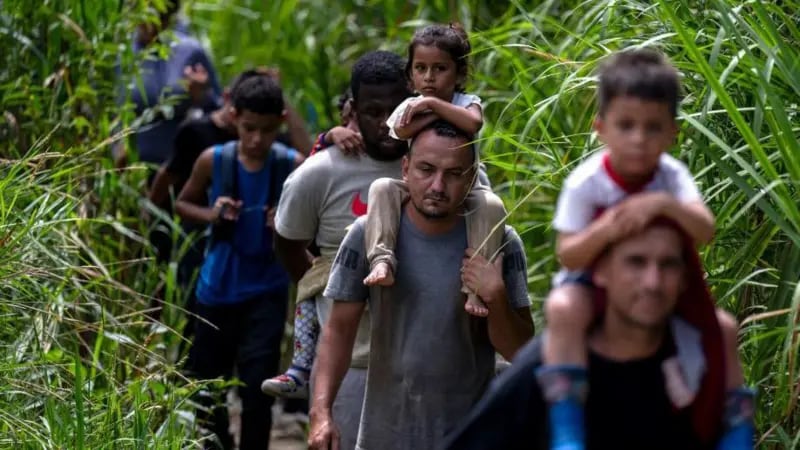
(359, 207)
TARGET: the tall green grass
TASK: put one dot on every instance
(85, 368)
(82, 365)
(534, 63)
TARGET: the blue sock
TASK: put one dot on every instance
(740, 437)
(566, 425)
(564, 388)
(739, 429)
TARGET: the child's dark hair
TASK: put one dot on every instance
(257, 93)
(450, 38)
(642, 73)
(377, 67)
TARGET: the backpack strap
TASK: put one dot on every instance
(229, 187)
(282, 165)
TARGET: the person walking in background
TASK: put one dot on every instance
(186, 73)
(242, 291)
(320, 200)
(437, 67)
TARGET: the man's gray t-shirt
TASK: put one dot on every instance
(320, 199)
(430, 361)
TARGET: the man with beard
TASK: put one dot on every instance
(430, 361)
(656, 363)
(325, 195)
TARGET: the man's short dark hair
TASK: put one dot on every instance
(642, 73)
(245, 75)
(377, 67)
(444, 128)
(258, 94)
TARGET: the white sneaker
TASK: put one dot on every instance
(285, 386)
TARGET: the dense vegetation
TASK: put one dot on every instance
(82, 364)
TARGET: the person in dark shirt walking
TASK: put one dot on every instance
(659, 341)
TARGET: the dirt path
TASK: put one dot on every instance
(281, 443)
(287, 433)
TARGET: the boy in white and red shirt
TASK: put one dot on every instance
(613, 194)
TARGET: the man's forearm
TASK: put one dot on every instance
(334, 354)
(509, 328)
(294, 256)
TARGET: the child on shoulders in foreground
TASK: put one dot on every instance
(437, 67)
(612, 194)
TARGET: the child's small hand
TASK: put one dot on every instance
(636, 211)
(417, 106)
(611, 228)
(346, 139)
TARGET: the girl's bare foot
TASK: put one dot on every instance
(475, 306)
(381, 275)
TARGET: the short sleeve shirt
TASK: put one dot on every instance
(320, 200)
(193, 137)
(627, 408)
(459, 99)
(430, 361)
(593, 187)
(323, 196)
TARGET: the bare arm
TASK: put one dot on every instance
(347, 139)
(159, 191)
(509, 328)
(298, 132)
(469, 119)
(577, 251)
(189, 204)
(333, 360)
(417, 123)
(694, 217)
(419, 113)
(293, 256)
